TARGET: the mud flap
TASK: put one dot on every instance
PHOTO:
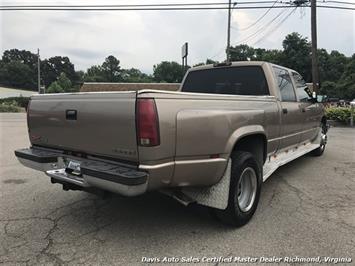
(215, 196)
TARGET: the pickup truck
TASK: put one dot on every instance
(213, 142)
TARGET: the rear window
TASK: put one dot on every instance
(246, 80)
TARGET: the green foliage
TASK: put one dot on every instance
(296, 55)
(9, 108)
(52, 68)
(55, 88)
(94, 74)
(336, 71)
(111, 69)
(80, 75)
(242, 52)
(18, 68)
(64, 82)
(208, 62)
(18, 101)
(17, 74)
(168, 72)
(134, 75)
(341, 114)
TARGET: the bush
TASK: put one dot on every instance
(17, 101)
(9, 108)
(64, 82)
(55, 88)
(341, 114)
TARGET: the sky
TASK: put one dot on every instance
(141, 39)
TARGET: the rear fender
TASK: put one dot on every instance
(240, 133)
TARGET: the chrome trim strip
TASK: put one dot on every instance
(210, 160)
(155, 166)
(181, 162)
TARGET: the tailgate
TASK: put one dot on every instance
(93, 123)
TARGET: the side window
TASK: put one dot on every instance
(300, 86)
(285, 85)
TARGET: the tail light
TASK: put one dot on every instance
(147, 123)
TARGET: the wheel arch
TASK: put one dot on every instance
(252, 139)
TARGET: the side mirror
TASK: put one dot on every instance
(312, 95)
(314, 98)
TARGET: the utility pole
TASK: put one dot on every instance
(229, 30)
(38, 72)
(315, 73)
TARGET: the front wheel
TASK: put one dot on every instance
(244, 190)
(323, 142)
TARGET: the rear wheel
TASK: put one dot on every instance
(244, 190)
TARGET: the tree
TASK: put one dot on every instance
(296, 55)
(64, 82)
(111, 69)
(18, 68)
(55, 88)
(168, 72)
(80, 75)
(135, 75)
(242, 52)
(211, 62)
(347, 80)
(208, 62)
(54, 66)
(22, 56)
(17, 74)
(94, 74)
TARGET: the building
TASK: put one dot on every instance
(103, 86)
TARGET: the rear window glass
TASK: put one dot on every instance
(248, 80)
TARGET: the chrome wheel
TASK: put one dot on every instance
(324, 138)
(247, 189)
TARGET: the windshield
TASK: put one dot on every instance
(243, 80)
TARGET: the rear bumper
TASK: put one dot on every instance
(108, 176)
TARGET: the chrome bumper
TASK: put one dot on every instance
(108, 176)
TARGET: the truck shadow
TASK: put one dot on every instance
(89, 227)
(155, 211)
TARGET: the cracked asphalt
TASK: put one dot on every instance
(307, 208)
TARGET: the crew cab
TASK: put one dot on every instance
(213, 142)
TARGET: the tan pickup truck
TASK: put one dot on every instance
(213, 142)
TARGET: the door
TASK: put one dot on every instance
(291, 115)
(310, 111)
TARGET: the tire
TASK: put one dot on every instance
(320, 150)
(244, 191)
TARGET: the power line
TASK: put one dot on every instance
(336, 2)
(337, 7)
(136, 5)
(163, 7)
(276, 27)
(136, 9)
(262, 28)
(260, 18)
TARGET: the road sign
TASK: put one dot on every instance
(184, 50)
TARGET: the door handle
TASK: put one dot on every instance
(284, 110)
(71, 114)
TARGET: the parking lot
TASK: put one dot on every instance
(307, 209)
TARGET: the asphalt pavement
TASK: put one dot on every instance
(306, 209)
